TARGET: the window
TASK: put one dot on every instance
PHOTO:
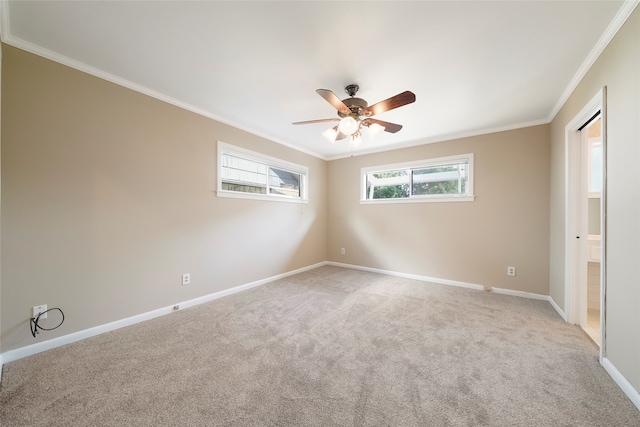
(595, 168)
(594, 157)
(247, 174)
(444, 179)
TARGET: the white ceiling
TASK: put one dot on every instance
(475, 66)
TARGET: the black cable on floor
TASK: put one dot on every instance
(34, 322)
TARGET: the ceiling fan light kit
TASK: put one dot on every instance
(356, 138)
(349, 125)
(331, 134)
(375, 130)
(355, 113)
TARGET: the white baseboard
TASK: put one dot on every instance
(619, 379)
(622, 382)
(557, 308)
(20, 353)
(444, 281)
(29, 350)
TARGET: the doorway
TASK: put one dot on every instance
(585, 220)
(591, 147)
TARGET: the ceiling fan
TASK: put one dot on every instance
(354, 113)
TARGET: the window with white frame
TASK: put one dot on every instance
(246, 174)
(442, 179)
(595, 168)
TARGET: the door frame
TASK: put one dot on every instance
(575, 223)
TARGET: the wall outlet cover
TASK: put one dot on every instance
(39, 309)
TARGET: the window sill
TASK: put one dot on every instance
(264, 197)
(419, 200)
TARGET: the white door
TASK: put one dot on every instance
(576, 216)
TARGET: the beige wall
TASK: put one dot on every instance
(108, 197)
(617, 68)
(473, 242)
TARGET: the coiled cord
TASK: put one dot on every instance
(35, 326)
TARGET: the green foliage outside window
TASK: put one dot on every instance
(441, 179)
(391, 191)
(416, 182)
(438, 187)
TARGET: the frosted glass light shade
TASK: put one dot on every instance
(348, 125)
(375, 130)
(331, 134)
(356, 139)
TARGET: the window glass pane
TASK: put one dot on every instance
(596, 168)
(246, 174)
(444, 179)
(243, 175)
(448, 179)
(284, 183)
(388, 185)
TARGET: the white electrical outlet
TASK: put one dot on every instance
(342, 251)
(511, 271)
(186, 279)
(40, 309)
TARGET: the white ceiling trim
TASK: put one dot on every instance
(64, 60)
(444, 138)
(61, 59)
(620, 18)
(613, 28)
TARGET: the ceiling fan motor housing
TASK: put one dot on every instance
(352, 89)
(356, 105)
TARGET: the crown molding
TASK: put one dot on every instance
(81, 66)
(613, 28)
(615, 25)
(442, 138)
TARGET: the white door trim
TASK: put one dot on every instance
(575, 226)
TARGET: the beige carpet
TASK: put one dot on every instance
(329, 347)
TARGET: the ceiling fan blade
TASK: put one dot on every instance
(307, 122)
(340, 136)
(399, 100)
(332, 99)
(388, 127)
